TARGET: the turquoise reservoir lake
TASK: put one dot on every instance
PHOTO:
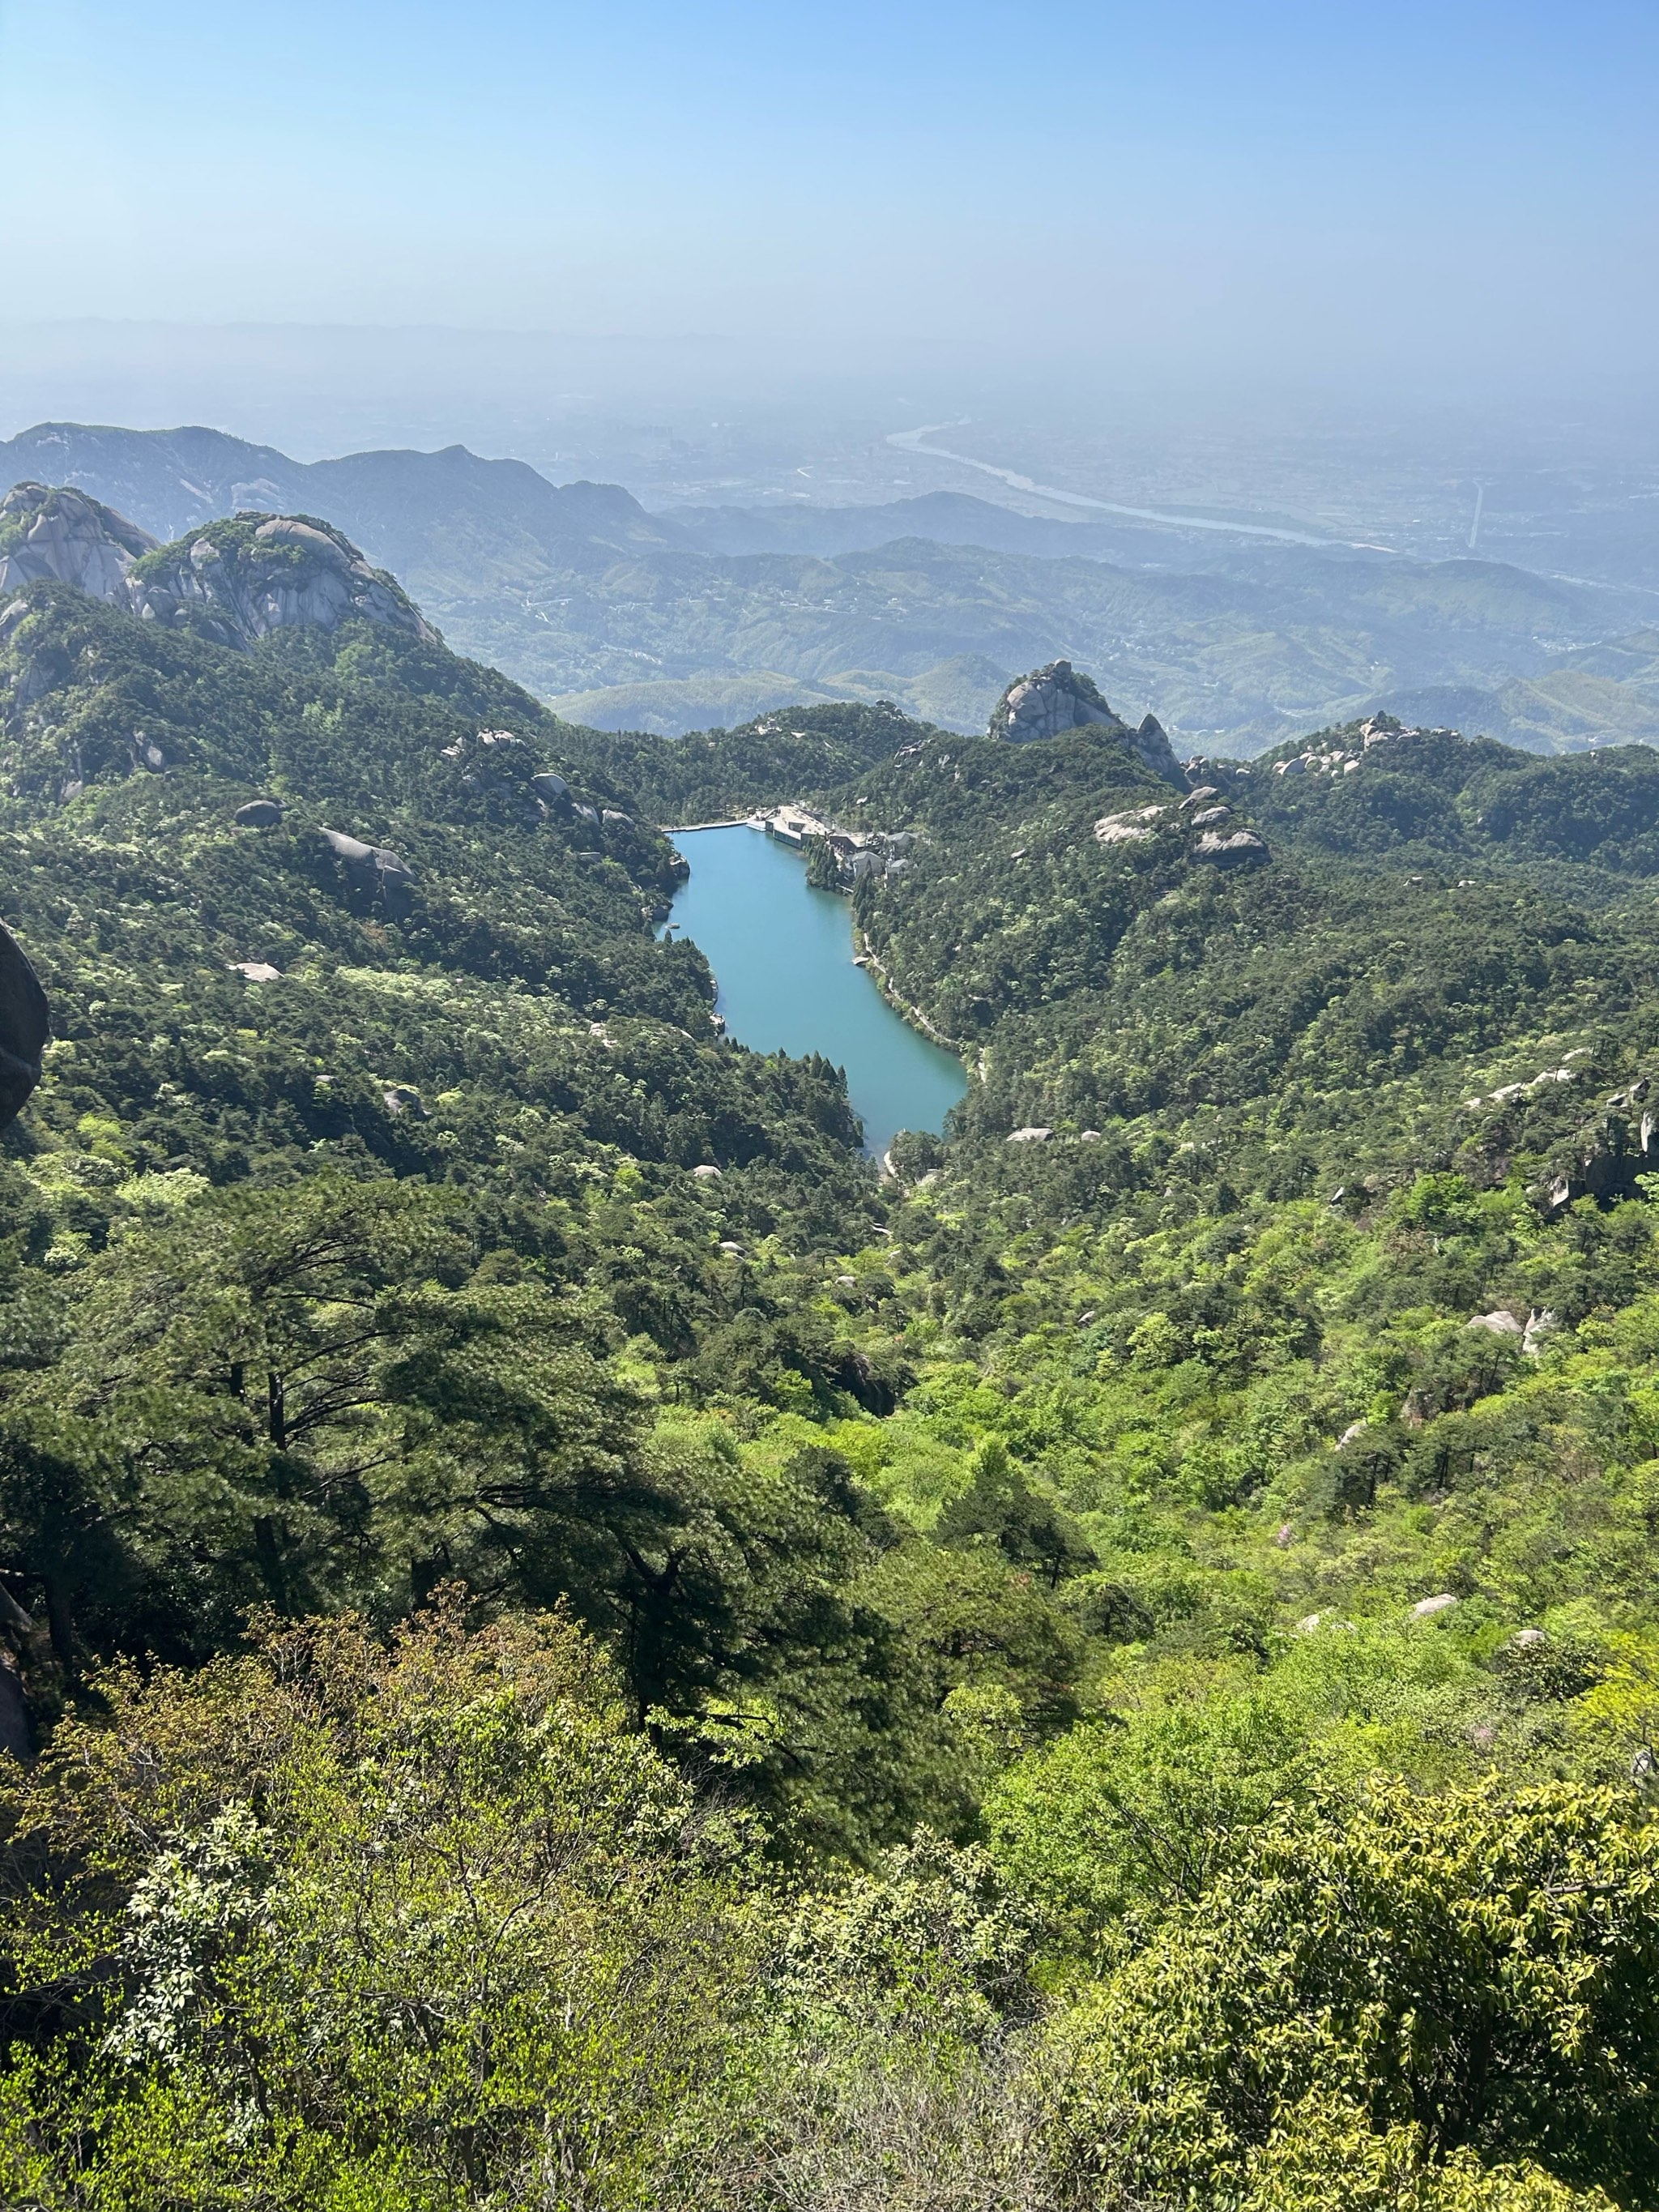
(783, 955)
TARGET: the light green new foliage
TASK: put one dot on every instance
(1478, 1967)
(1134, 1652)
(424, 1929)
(1324, 2154)
(1119, 1818)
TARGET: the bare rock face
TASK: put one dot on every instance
(1152, 745)
(25, 1026)
(66, 535)
(1048, 701)
(1128, 828)
(235, 582)
(1057, 698)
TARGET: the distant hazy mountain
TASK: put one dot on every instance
(412, 511)
(1570, 706)
(957, 694)
(949, 518)
(709, 616)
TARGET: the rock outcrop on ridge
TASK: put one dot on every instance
(65, 534)
(233, 582)
(1058, 697)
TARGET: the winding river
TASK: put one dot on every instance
(783, 955)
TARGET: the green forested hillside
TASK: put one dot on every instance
(567, 1644)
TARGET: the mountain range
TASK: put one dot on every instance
(623, 619)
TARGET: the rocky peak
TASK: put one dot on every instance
(238, 581)
(1048, 701)
(234, 581)
(1057, 698)
(65, 534)
(1151, 747)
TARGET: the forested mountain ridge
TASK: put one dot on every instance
(1112, 1668)
(244, 1006)
(579, 593)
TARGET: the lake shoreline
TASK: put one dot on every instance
(871, 962)
(793, 975)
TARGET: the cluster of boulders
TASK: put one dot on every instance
(1613, 1156)
(1343, 760)
(373, 870)
(547, 791)
(1566, 1073)
(1611, 1150)
(1223, 847)
(1540, 1322)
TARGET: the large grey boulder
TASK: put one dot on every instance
(1498, 1322)
(260, 814)
(1128, 828)
(397, 884)
(25, 1026)
(352, 850)
(373, 867)
(1227, 852)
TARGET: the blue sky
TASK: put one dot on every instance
(1186, 181)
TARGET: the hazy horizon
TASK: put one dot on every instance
(1108, 207)
(1231, 288)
